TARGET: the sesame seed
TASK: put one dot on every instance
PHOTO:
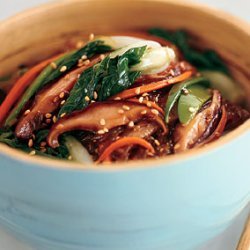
(33, 137)
(53, 65)
(80, 63)
(144, 112)
(120, 111)
(62, 102)
(95, 95)
(62, 94)
(131, 124)
(141, 99)
(177, 145)
(30, 143)
(157, 142)
(56, 99)
(84, 57)
(191, 109)
(79, 44)
(185, 91)
(48, 121)
(172, 72)
(59, 126)
(117, 98)
(48, 115)
(86, 98)
(144, 94)
(54, 119)
(33, 152)
(70, 157)
(106, 130)
(27, 112)
(91, 36)
(63, 114)
(149, 104)
(102, 56)
(63, 68)
(155, 111)
(138, 90)
(101, 132)
(86, 62)
(92, 101)
(43, 144)
(125, 107)
(102, 122)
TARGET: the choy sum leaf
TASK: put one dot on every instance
(203, 60)
(191, 102)
(49, 74)
(7, 137)
(176, 91)
(107, 78)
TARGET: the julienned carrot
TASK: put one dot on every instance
(148, 103)
(106, 155)
(128, 93)
(20, 86)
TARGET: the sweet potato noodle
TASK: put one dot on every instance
(121, 98)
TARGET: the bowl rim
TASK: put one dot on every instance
(169, 160)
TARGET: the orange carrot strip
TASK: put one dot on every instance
(20, 86)
(152, 104)
(124, 142)
(128, 93)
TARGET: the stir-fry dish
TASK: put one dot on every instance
(119, 98)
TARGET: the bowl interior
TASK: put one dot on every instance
(38, 33)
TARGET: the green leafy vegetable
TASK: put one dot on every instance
(207, 59)
(89, 50)
(176, 91)
(49, 74)
(229, 89)
(107, 78)
(7, 136)
(189, 104)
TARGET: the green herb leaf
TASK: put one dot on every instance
(189, 104)
(49, 74)
(207, 59)
(89, 50)
(176, 91)
(107, 78)
(7, 137)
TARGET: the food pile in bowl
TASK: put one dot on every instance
(119, 98)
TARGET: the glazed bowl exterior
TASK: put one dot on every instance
(177, 202)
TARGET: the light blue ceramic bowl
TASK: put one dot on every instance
(174, 203)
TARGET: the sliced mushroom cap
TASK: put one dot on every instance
(200, 127)
(236, 115)
(142, 129)
(47, 101)
(101, 116)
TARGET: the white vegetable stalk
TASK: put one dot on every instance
(155, 60)
(77, 151)
(226, 85)
(121, 44)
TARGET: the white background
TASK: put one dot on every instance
(226, 241)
